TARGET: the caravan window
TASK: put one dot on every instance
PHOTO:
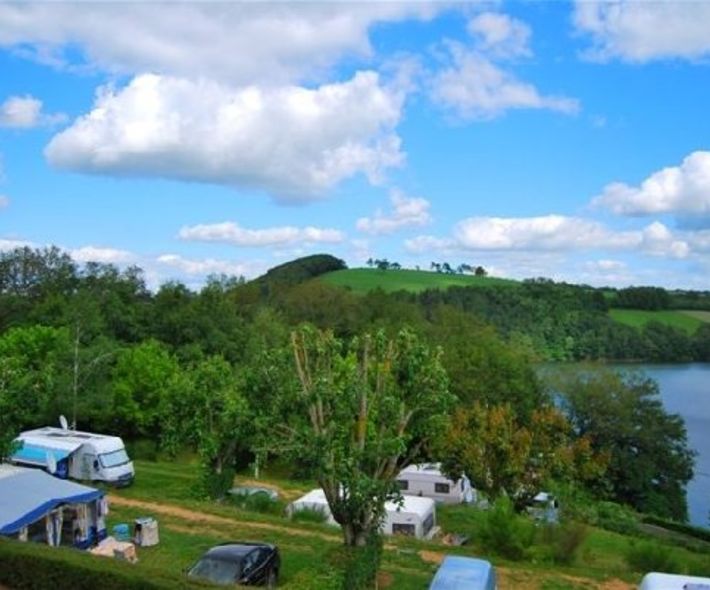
(114, 459)
(428, 523)
(404, 529)
(441, 488)
(403, 484)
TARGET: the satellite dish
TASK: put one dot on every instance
(51, 463)
(63, 423)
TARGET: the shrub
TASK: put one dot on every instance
(506, 533)
(563, 541)
(652, 557)
(214, 485)
(617, 518)
(361, 564)
(258, 502)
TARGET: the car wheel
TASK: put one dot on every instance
(273, 579)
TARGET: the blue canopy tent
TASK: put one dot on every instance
(30, 495)
(464, 573)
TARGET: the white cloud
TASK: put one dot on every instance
(240, 43)
(637, 31)
(231, 233)
(11, 244)
(475, 88)
(4, 201)
(24, 112)
(292, 141)
(550, 233)
(605, 265)
(676, 189)
(98, 254)
(205, 266)
(500, 35)
(406, 212)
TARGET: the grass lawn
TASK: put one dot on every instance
(689, 321)
(362, 280)
(310, 551)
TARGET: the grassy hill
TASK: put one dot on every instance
(688, 321)
(362, 280)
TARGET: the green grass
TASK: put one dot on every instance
(310, 550)
(688, 321)
(362, 280)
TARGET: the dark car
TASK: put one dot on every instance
(248, 564)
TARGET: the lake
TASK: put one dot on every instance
(685, 390)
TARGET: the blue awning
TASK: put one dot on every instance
(37, 454)
(26, 495)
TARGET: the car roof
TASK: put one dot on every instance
(232, 550)
(459, 573)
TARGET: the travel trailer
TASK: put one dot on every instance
(427, 480)
(77, 455)
(416, 517)
(656, 581)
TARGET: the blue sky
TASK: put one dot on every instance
(558, 139)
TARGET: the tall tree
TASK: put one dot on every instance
(361, 413)
(622, 414)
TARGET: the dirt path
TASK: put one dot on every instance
(207, 518)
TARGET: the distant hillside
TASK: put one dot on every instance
(362, 280)
(688, 321)
(302, 269)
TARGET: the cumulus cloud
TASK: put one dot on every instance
(99, 254)
(676, 189)
(232, 233)
(406, 212)
(24, 112)
(239, 43)
(292, 141)
(204, 266)
(4, 201)
(500, 35)
(643, 31)
(550, 233)
(10, 244)
(475, 86)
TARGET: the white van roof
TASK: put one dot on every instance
(69, 440)
(658, 581)
(421, 468)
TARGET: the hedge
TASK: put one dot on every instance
(32, 566)
(679, 527)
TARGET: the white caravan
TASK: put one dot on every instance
(78, 455)
(427, 480)
(656, 581)
(416, 517)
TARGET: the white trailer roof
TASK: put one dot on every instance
(427, 468)
(69, 440)
(412, 504)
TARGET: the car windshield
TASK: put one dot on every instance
(215, 570)
(114, 458)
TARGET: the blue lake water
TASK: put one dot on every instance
(685, 390)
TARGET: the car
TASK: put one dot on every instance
(237, 563)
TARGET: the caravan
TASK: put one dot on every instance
(74, 454)
(416, 517)
(428, 481)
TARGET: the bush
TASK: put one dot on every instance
(258, 502)
(505, 532)
(563, 541)
(214, 485)
(30, 566)
(652, 557)
(142, 449)
(617, 518)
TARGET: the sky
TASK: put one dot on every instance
(567, 140)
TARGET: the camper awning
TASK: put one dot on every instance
(35, 453)
(26, 495)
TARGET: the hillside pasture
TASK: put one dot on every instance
(362, 280)
(688, 321)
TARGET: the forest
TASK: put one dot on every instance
(288, 367)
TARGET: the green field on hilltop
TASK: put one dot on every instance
(363, 280)
(689, 321)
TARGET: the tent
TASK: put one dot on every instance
(35, 504)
